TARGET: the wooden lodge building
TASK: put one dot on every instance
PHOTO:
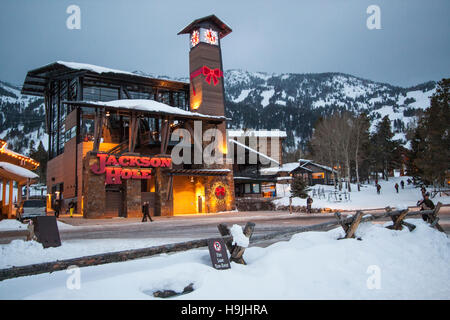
(109, 133)
(14, 168)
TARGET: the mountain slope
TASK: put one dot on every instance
(291, 102)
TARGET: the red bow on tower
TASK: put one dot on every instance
(212, 74)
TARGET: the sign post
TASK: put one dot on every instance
(218, 254)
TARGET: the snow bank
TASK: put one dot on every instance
(12, 225)
(239, 237)
(312, 265)
(21, 252)
(15, 225)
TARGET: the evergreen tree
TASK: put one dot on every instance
(299, 188)
(431, 145)
(41, 156)
(383, 147)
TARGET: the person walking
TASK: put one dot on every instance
(396, 187)
(309, 202)
(425, 204)
(402, 184)
(71, 207)
(423, 190)
(57, 207)
(146, 212)
(378, 188)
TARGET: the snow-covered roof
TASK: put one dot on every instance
(16, 172)
(151, 106)
(253, 150)
(256, 133)
(304, 162)
(287, 167)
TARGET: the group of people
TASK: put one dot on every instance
(396, 186)
(58, 204)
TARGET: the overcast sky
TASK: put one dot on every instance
(296, 36)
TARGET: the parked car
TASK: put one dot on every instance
(31, 208)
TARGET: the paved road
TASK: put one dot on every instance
(190, 227)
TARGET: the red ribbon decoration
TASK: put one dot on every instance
(220, 192)
(213, 74)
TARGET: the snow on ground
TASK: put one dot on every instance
(386, 264)
(367, 198)
(21, 252)
(15, 225)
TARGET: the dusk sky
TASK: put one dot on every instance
(307, 36)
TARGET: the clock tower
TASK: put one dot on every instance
(205, 65)
(207, 97)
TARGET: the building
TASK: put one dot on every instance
(312, 172)
(110, 133)
(14, 168)
(259, 149)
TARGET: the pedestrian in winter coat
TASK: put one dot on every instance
(146, 212)
(425, 204)
(378, 188)
(309, 202)
(424, 191)
(402, 184)
(396, 187)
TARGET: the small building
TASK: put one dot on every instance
(312, 172)
(15, 168)
(253, 151)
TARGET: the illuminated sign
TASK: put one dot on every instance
(114, 167)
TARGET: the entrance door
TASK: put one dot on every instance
(114, 202)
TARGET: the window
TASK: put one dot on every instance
(318, 175)
(100, 94)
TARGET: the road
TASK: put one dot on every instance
(192, 226)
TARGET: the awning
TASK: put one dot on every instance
(198, 172)
(12, 172)
(149, 107)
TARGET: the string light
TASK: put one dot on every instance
(20, 157)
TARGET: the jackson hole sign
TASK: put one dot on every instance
(114, 167)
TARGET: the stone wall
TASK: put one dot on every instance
(93, 189)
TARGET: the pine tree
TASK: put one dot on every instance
(41, 156)
(383, 151)
(299, 187)
(431, 143)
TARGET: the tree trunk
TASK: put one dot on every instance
(357, 169)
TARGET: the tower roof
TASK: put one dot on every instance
(212, 19)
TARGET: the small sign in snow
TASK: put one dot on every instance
(218, 254)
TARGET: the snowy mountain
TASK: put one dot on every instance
(293, 102)
(257, 100)
(22, 119)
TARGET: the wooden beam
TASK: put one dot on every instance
(354, 226)
(341, 222)
(434, 219)
(10, 203)
(238, 252)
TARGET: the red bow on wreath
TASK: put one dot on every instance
(213, 74)
(220, 192)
